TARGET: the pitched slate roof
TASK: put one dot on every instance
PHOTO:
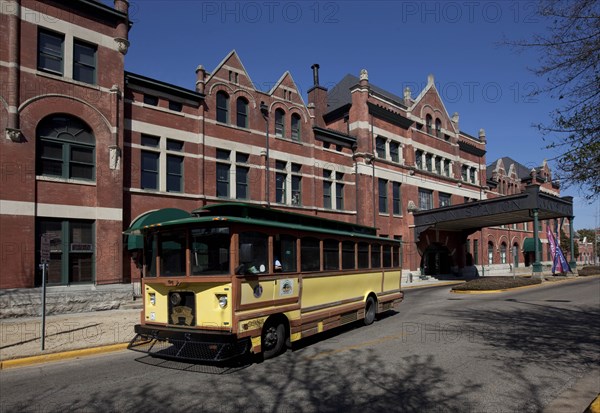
(340, 95)
(523, 172)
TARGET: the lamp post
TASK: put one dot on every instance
(264, 109)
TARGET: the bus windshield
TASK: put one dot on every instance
(210, 251)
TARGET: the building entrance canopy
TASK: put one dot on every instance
(530, 205)
(512, 209)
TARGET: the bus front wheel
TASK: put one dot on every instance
(370, 308)
(273, 339)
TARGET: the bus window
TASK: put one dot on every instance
(387, 256)
(172, 254)
(363, 255)
(151, 248)
(348, 255)
(284, 251)
(395, 256)
(253, 252)
(210, 251)
(331, 254)
(375, 256)
(310, 254)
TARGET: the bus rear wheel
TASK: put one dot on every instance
(370, 308)
(273, 339)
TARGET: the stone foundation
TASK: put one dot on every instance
(27, 302)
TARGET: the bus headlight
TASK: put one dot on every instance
(222, 301)
(175, 298)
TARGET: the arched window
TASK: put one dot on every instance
(428, 124)
(438, 127)
(222, 107)
(295, 127)
(279, 123)
(66, 148)
(490, 252)
(242, 113)
(503, 253)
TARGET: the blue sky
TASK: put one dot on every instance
(398, 42)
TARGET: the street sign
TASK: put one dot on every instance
(45, 249)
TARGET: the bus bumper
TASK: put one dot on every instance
(187, 344)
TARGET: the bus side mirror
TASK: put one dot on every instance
(240, 271)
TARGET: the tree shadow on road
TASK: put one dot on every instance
(538, 344)
(353, 381)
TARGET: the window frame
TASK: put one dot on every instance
(281, 182)
(425, 195)
(222, 107)
(43, 53)
(380, 143)
(60, 126)
(394, 151)
(327, 189)
(382, 193)
(397, 198)
(67, 252)
(241, 107)
(444, 199)
(296, 127)
(279, 123)
(429, 124)
(93, 67)
(173, 174)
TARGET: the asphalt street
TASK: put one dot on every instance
(516, 351)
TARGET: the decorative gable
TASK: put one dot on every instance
(429, 107)
(231, 71)
(286, 89)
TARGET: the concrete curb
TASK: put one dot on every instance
(543, 284)
(65, 355)
(440, 284)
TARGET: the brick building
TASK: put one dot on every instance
(89, 148)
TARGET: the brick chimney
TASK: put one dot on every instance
(317, 98)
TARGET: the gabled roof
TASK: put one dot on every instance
(230, 55)
(280, 81)
(431, 87)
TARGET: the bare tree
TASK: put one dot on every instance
(570, 67)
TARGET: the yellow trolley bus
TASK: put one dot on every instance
(237, 278)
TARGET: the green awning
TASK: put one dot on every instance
(134, 239)
(529, 246)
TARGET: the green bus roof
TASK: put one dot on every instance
(242, 210)
(268, 217)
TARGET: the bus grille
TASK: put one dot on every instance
(188, 350)
(182, 308)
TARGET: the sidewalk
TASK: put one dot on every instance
(21, 337)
